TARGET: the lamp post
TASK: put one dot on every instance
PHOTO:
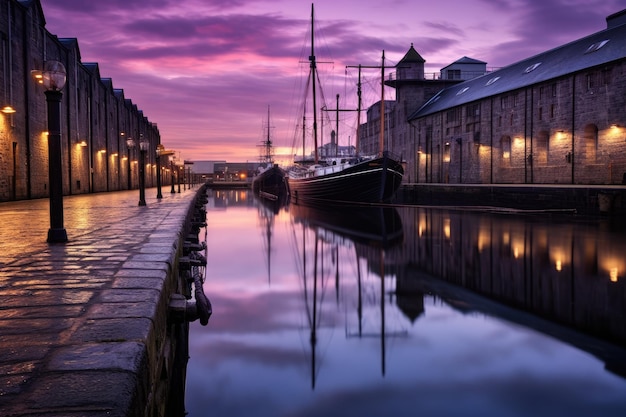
(179, 169)
(172, 172)
(53, 77)
(130, 144)
(143, 148)
(158, 170)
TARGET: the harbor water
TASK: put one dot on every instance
(408, 311)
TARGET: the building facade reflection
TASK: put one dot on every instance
(564, 270)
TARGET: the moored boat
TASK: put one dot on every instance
(357, 179)
(270, 180)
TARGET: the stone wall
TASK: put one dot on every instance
(96, 118)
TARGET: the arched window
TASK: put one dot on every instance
(590, 143)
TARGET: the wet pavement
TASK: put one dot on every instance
(75, 317)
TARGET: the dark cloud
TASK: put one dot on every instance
(542, 25)
(114, 6)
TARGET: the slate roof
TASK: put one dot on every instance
(597, 49)
(411, 56)
(465, 60)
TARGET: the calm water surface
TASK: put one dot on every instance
(418, 312)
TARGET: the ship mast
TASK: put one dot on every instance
(382, 106)
(313, 77)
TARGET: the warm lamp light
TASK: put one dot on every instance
(8, 109)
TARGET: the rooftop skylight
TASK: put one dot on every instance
(532, 67)
(492, 80)
(595, 46)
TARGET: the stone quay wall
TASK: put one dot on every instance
(98, 326)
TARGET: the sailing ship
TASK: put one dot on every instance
(345, 179)
(270, 181)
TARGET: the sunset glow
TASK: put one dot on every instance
(205, 72)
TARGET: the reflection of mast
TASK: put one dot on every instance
(313, 338)
(384, 334)
(382, 312)
(312, 314)
(266, 217)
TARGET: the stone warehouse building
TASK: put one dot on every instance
(555, 118)
(97, 120)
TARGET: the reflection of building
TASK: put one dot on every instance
(556, 117)
(561, 272)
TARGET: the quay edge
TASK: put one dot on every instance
(603, 200)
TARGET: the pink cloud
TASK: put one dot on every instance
(205, 72)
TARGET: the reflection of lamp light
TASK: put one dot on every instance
(517, 244)
(484, 239)
(446, 228)
(613, 274)
(8, 109)
(421, 224)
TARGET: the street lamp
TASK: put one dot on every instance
(130, 144)
(53, 80)
(179, 169)
(143, 148)
(158, 168)
(172, 172)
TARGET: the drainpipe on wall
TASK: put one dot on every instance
(572, 159)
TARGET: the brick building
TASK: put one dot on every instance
(557, 117)
(96, 118)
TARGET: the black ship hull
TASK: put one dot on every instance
(370, 181)
(271, 184)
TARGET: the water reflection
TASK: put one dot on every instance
(566, 270)
(364, 233)
(406, 311)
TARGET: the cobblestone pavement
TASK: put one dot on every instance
(73, 315)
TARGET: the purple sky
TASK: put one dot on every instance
(205, 71)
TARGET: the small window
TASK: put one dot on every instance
(454, 74)
(462, 90)
(595, 46)
(532, 67)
